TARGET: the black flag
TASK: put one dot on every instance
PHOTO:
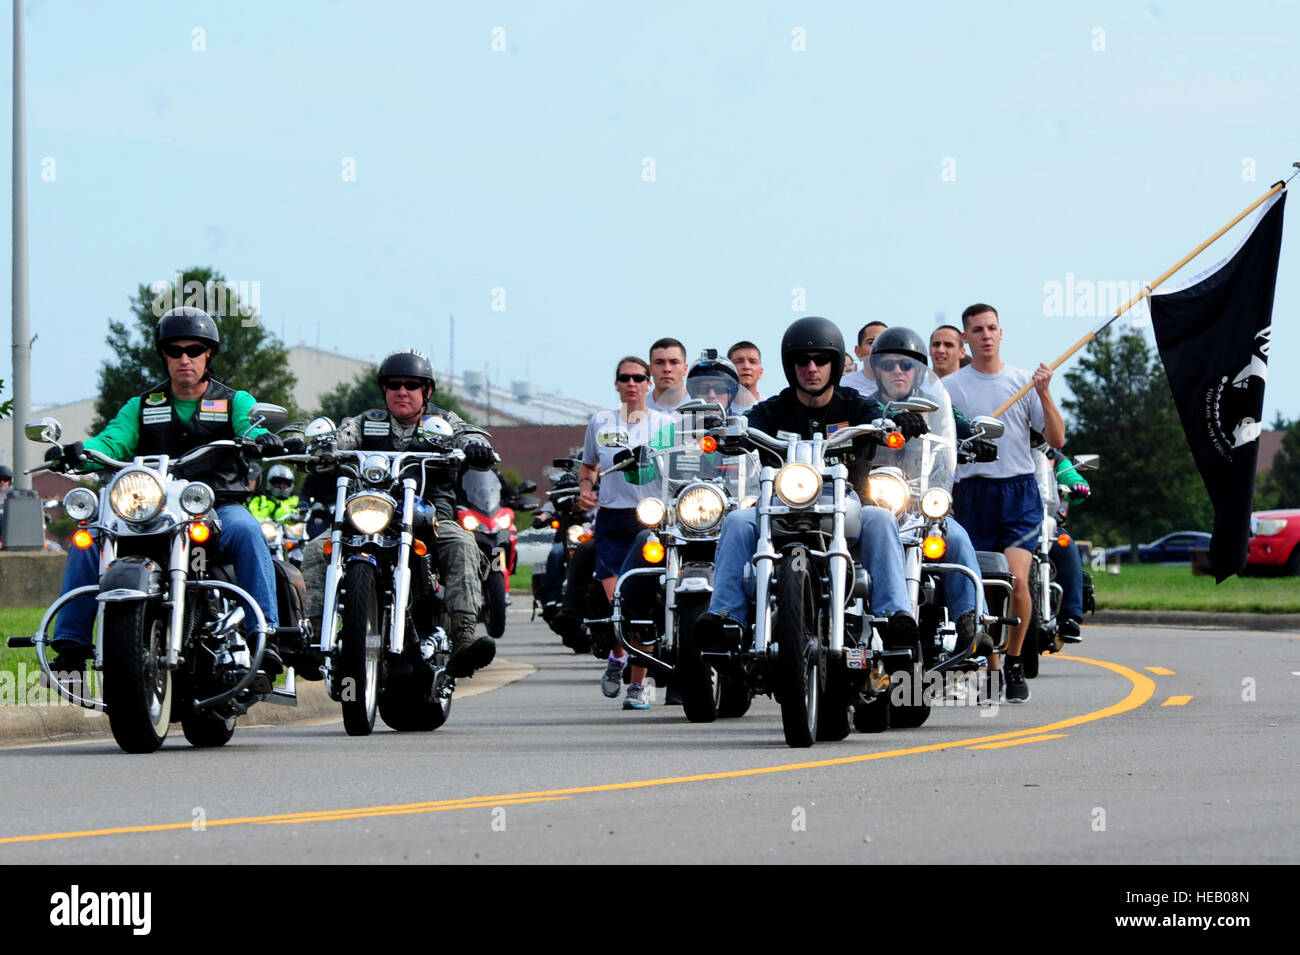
(1213, 339)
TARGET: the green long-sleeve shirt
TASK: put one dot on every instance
(121, 436)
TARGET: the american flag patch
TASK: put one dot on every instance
(216, 404)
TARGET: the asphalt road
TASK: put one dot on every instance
(1140, 746)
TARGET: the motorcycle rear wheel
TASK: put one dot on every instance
(700, 683)
(361, 649)
(494, 600)
(798, 638)
(137, 687)
(205, 729)
(737, 694)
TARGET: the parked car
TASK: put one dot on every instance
(1275, 541)
(1175, 548)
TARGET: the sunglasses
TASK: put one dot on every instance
(192, 351)
(818, 358)
(890, 364)
(624, 379)
(404, 385)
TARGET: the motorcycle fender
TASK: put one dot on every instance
(131, 578)
(852, 518)
(695, 579)
(366, 557)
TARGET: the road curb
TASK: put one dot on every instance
(1194, 620)
(36, 724)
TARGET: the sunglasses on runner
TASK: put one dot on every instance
(193, 351)
(404, 385)
(817, 358)
(624, 379)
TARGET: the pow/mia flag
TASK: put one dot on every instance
(1213, 335)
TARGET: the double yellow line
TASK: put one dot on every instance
(1142, 690)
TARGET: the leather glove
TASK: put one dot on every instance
(911, 424)
(984, 451)
(1081, 490)
(295, 445)
(479, 456)
(269, 445)
(70, 455)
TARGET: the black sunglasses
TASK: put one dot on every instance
(817, 358)
(193, 351)
(890, 364)
(404, 385)
(624, 379)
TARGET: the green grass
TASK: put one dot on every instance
(521, 583)
(1174, 587)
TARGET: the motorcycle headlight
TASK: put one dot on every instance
(196, 498)
(469, 522)
(297, 530)
(268, 530)
(136, 496)
(700, 507)
(503, 521)
(935, 503)
(574, 533)
(375, 468)
(650, 511)
(798, 484)
(80, 504)
(369, 513)
(888, 491)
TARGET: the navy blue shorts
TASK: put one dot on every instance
(615, 531)
(999, 512)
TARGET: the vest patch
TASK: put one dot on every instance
(376, 415)
(159, 415)
(156, 398)
(374, 428)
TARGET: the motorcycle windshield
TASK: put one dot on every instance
(482, 491)
(1045, 474)
(929, 460)
(680, 465)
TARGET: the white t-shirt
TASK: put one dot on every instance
(654, 430)
(860, 383)
(974, 393)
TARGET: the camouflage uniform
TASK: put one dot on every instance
(453, 549)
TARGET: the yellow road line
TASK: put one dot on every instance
(1161, 671)
(344, 814)
(1143, 689)
(1177, 701)
(1019, 742)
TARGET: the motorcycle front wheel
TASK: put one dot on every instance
(798, 639)
(361, 649)
(700, 683)
(137, 686)
(494, 599)
(1032, 647)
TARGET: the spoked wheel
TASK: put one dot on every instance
(795, 627)
(1034, 638)
(361, 649)
(700, 683)
(207, 729)
(494, 599)
(137, 687)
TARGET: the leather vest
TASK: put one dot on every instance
(377, 435)
(162, 432)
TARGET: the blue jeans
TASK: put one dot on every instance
(240, 543)
(958, 591)
(1069, 574)
(879, 547)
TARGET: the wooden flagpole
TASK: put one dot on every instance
(1146, 290)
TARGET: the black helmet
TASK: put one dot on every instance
(6, 473)
(712, 368)
(900, 341)
(187, 322)
(808, 335)
(254, 473)
(408, 363)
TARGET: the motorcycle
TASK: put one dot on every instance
(286, 537)
(171, 643)
(1045, 593)
(573, 529)
(483, 514)
(697, 488)
(383, 647)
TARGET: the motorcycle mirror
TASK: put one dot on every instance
(318, 427)
(699, 404)
(919, 404)
(45, 430)
(987, 427)
(268, 416)
(1087, 462)
(527, 487)
(435, 428)
(617, 438)
(528, 503)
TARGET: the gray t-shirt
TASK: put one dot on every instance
(654, 430)
(974, 393)
(860, 383)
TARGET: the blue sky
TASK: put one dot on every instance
(907, 161)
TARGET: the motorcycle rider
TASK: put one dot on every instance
(998, 501)
(406, 378)
(280, 501)
(188, 409)
(812, 355)
(896, 361)
(254, 478)
(1065, 558)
